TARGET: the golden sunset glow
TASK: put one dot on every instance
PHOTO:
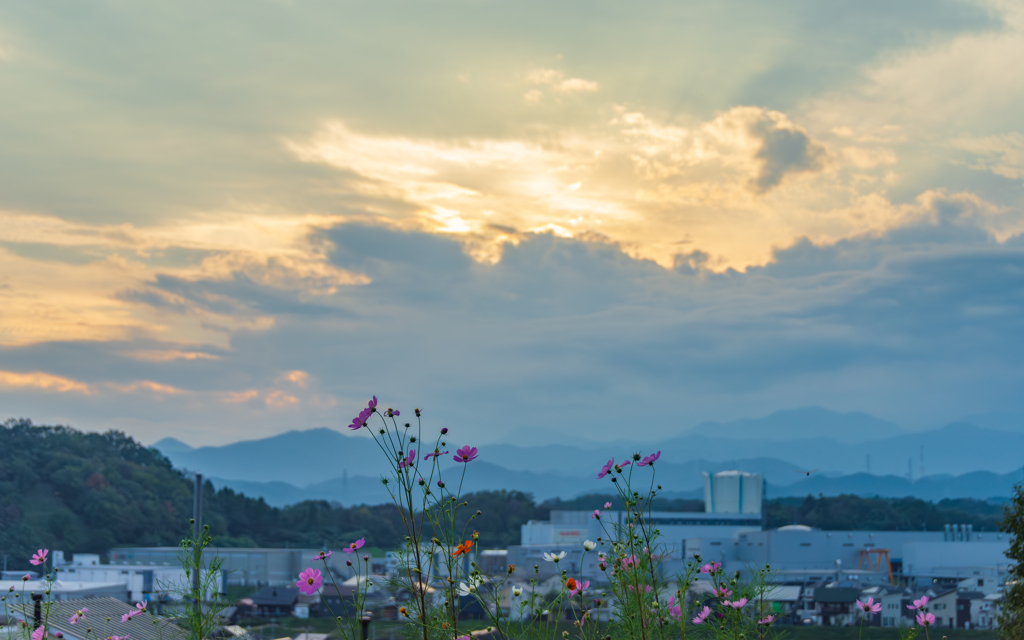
(705, 199)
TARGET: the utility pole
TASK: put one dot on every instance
(197, 531)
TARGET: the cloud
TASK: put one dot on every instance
(554, 228)
(1002, 155)
(559, 83)
(785, 149)
(734, 187)
(88, 282)
(41, 381)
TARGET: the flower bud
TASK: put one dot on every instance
(444, 430)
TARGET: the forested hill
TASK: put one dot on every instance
(87, 492)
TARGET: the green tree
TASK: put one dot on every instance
(1011, 613)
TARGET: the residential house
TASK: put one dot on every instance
(943, 606)
(836, 605)
(281, 601)
(964, 608)
(986, 612)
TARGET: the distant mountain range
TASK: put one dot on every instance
(964, 460)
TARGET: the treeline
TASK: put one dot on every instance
(88, 492)
(848, 512)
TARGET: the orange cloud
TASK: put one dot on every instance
(43, 381)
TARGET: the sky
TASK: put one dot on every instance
(221, 221)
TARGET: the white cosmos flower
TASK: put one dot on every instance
(517, 591)
(554, 557)
(465, 589)
(589, 545)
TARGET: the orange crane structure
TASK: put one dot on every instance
(865, 555)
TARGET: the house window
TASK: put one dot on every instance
(981, 582)
(805, 544)
(847, 544)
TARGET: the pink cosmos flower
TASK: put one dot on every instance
(596, 515)
(870, 606)
(309, 581)
(723, 593)
(918, 603)
(39, 557)
(766, 620)
(737, 604)
(925, 619)
(649, 459)
(358, 544)
(408, 461)
(79, 615)
(465, 454)
(323, 555)
(140, 607)
(702, 616)
(580, 586)
(606, 469)
(433, 454)
(39, 633)
(711, 567)
(124, 637)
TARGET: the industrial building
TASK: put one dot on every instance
(730, 531)
(250, 567)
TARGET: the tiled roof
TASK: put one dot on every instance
(270, 596)
(142, 627)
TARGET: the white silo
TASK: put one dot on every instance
(732, 492)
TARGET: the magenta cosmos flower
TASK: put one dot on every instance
(465, 454)
(372, 404)
(870, 606)
(596, 515)
(649, 459)
(323, 555)
(409, 461)
(606, 469)
(360, 421)
(433, 454)
(711, 568)
(925, 619)
(358, 544)
(79, 615)
(766, 620)
(39, 557)
(309, 581)
(702, 616)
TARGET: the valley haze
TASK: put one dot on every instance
(961, 460)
